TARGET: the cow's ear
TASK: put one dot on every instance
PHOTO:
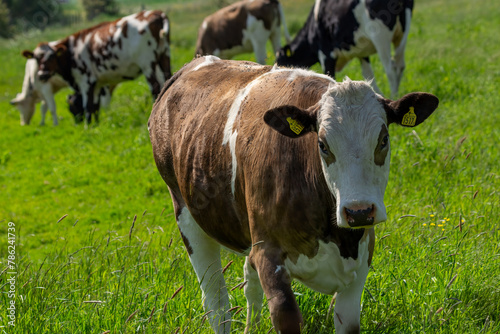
(27, 54)
(60, 50)
(291, 121)
(410, 110)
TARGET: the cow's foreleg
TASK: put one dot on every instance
(253, 293)
(50, 103)
(276, 282)
(258, 36)
(381, 39)
(399, 50)
(367, 71)
(43, 111)
(204, 254)
(348, 303)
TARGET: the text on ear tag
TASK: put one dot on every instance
(295, 125)
(409, 119)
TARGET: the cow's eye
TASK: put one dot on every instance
(384, 142)
(322, 147)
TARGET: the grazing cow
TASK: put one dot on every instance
(285, 166)
(337, 31)
(108, 54)
(34, 91)
(244, 26)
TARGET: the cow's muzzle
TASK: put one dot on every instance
(44, 76)
(360, 217)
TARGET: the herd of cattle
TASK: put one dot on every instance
(93, 61)
(277, 163)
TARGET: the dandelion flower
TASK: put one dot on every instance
(432, 216)
(432, 224)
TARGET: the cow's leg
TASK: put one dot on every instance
(399, 51)
(204, 254)
(275, 38)
(43, 111)
(382, 38)
(155, 78)
(258, 36)
(367, 71)
(48, 102)
(348, 303)
(276, 282)
(254, 294)
(328, 65)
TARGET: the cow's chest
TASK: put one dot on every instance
(328, 272)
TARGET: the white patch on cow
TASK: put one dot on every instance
(147, 13)
(205, 259)
(278, 269)
(316, 9)
(328, 272)
(300, 72)
(209, 60)
(204, 25)
(351, 119)
(230, 135)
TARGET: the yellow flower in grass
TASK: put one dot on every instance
(431, 215)
(432, 224)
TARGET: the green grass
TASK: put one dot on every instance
(429, 275)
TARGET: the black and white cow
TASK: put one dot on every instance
(284, 166)
(107, 54)
(337, 31)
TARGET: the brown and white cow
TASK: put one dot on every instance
(338, 31)
(285, 166)
(107, 54)
(244, 26)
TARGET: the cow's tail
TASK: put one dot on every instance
(283, 22)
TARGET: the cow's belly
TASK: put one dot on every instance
(328, 272)
(122, 73)
(363, 48)
(246, 47)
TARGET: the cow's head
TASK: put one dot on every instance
(296, 56)
(351, 122)
(26, 105)
(48, 59)
(75, 104)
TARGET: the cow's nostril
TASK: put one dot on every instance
(360, 217)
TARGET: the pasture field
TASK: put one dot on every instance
(116, 263)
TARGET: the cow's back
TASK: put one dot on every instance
(187, 129)
(220, 160)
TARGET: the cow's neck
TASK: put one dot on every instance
(65, 65)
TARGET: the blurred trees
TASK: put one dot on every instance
(95, 7)
(21, 16)
(5, 30)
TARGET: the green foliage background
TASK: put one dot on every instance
(116, 260)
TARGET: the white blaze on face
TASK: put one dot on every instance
(354, 151)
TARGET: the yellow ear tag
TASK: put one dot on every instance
(288, 52)
(409, 119)
(295, 125)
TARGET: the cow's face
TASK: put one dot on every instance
(26, 105)
(287, 56)
(47, 58)
(352, 122)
